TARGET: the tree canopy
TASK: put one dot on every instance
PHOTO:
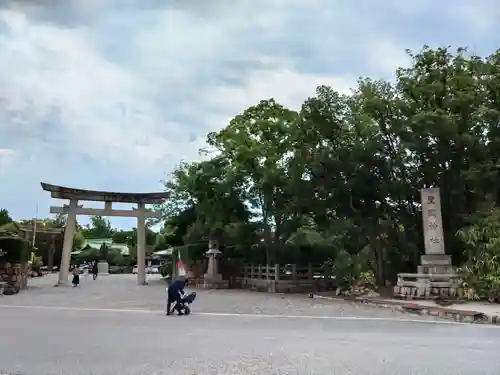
(343, 172)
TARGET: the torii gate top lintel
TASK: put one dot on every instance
(62, 192)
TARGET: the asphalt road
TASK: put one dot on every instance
(86, 334)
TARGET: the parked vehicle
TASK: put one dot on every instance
(149, 270)
(115, 269)
(46, 268)
(83, 267)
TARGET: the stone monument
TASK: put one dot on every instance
(435, 277)
(103, 265)
(103, 268)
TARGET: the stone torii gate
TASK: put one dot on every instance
(73, 209)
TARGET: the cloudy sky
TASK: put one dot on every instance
(112, 94)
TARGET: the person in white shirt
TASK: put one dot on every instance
(86, 271)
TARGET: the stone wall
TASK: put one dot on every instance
(280, 286)
(15, 274)
(414, 292)
(428, 286)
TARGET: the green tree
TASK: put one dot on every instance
(99, 227)
(258, 144)
(344, 172)
(4, 217)
(78, 240)
(104, 252)
(481, 269)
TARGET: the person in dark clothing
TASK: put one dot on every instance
(94, 270)
(175, 292)
(76, 276)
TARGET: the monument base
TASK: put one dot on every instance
(214, 282)
(435, 278)
(103, 268)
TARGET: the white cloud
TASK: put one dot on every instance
(387, 55)
(288, 87)
(6, 159)
(479, 17)
(57, 72)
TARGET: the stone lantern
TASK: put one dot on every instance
(213, 279)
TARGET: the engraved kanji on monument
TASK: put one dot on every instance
(432, 221)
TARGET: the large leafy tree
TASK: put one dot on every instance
(344, 171)
(99, 227)
(258, 144)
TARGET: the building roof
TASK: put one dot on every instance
(164, 252)
(42, 230)
(98, 242)
(14, 227)
(62, 192)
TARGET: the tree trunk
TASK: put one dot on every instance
(52, 250)
(378, 256)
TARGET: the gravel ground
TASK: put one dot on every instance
(112, 326)
(122, 292)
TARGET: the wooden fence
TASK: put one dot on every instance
(288, 272)
(288, 278)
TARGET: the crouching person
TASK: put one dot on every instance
(175, 292)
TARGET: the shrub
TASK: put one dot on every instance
(165, 269)
(481, 270)
(353, 270)
(16, 249)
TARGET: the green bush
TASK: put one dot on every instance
(115, 258)
(165, 269)
(16, 249)
(280, 254)
(343, 269)
(190, 252)
(481, 270)
(353, 270)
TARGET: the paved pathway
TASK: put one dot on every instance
(112, 326)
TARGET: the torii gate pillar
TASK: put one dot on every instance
(141, 245)
(69, 235)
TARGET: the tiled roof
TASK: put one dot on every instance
(96, 243)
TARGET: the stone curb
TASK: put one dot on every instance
(465, 316)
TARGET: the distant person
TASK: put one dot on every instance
(76, 277)
(94, 270)
(86, 271)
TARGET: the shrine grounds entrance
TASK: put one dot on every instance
(74, 196)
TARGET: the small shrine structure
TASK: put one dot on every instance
(51, 236)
